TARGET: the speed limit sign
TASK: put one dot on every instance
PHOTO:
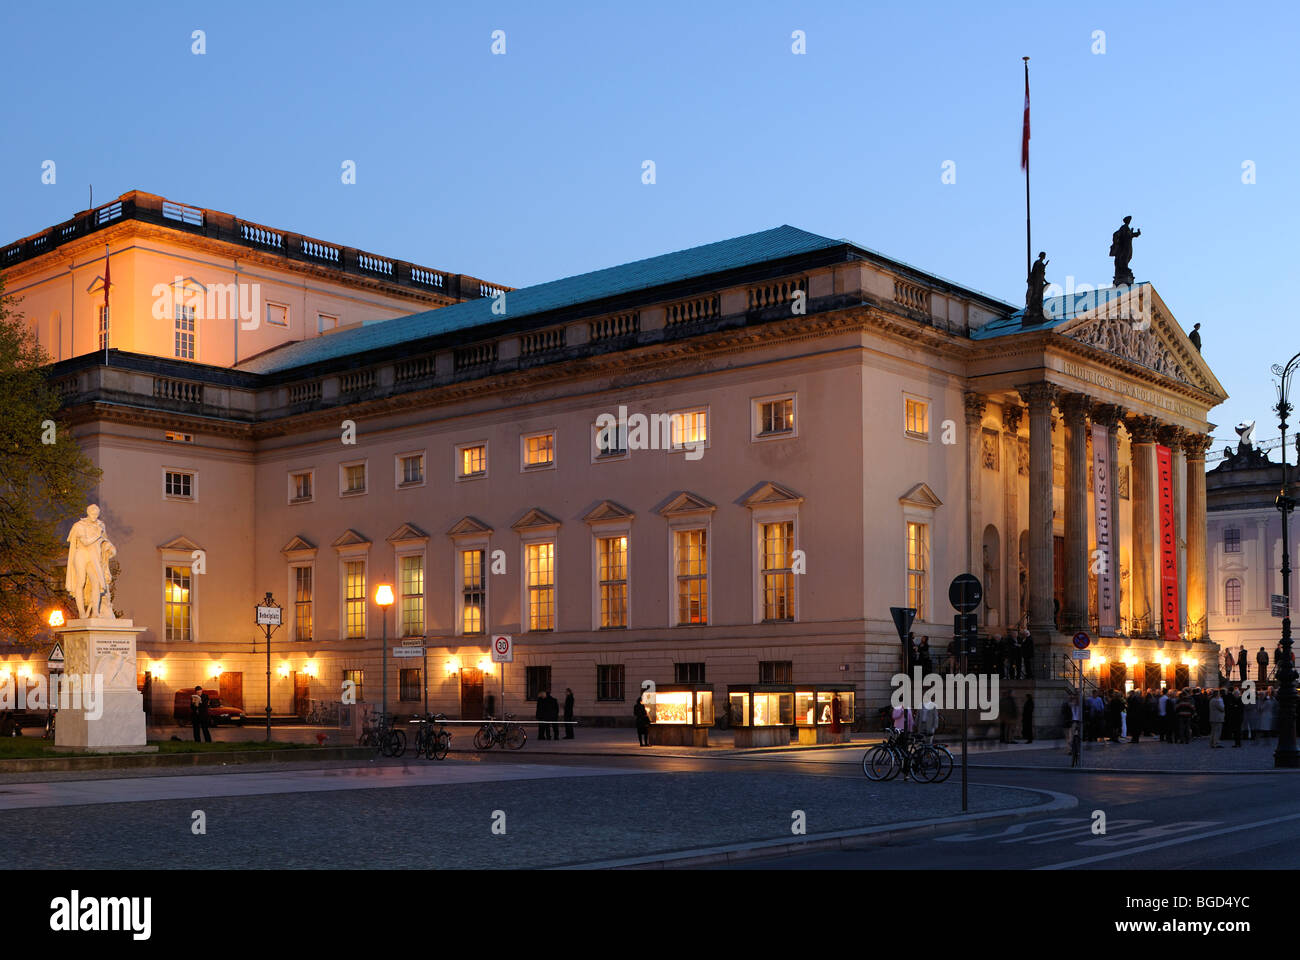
(503, 648)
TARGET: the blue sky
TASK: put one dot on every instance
(526, 167)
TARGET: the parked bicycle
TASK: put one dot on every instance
(506, 732)
(323, 712)
(910, 754)
(378, 732)
(430, 742)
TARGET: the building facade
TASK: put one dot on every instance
(722, 464)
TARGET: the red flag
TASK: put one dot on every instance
(1024, 137)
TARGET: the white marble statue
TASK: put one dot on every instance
(89, 580)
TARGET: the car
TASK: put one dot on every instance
(217, 713)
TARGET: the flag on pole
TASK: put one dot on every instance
(1024, 136)
(107, 319)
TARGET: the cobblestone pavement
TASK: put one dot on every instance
(1147, 755)
(569, 817)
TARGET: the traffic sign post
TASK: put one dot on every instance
(1079, 654)
(503, 652)
(965, 593)
(268, 618)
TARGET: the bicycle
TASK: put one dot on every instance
(323, 712)
(507, 733)
(429, 742)
(383, 736)
(911, 755)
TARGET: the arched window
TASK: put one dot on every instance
(1232, 597)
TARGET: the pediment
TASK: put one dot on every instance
(608, 510)
(685, 503)
(921, 495)
(534, 519)
(182, 543)
(771, 494)
(350, 538)
(298, 545)
(407, 533)
(468, 527)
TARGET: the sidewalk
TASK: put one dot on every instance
(1147, 756)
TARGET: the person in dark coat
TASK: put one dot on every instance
(196, 722)
(1008, 713)
(543, 728)
(490, 706)
(1202, 701)
(553, 714)
(642, 723)
(1114, 712)
(205, 718)
(568, 713)
(1233, 712)
(1027, 654)
(923, 657)
(1242, 665)
(1136, 715)
(1027, 718)
(1262, 659)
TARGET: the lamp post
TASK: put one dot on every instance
(384, 598)
(1286, 754)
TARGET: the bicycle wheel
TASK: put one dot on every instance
(483, 739)
(925, 764)
(945, 763)
(397, 743)
(515, 737)
(878, 763)
(439, 746)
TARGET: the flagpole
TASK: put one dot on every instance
(1029, 247)
(108, 318)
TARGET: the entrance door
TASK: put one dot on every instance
(471, 693)
(1154, 677)
(232, 690)
(301, 694)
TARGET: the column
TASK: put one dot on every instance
(1012, 414)
(1038, 397)
(1074, 407)
(1194, 446)
(975, 407)
(1142, 432)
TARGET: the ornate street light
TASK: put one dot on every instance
(1286, 754)
(384, 599)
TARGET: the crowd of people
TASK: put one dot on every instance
(1173, 716)
(1010, 656)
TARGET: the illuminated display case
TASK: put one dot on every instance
(823, 712)
(681, 714)
(761, 714)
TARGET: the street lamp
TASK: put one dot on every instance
(1286, 754)
(384, 597)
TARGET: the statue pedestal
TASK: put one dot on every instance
(106, 712)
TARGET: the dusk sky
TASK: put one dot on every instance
(528, 167)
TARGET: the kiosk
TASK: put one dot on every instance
(761, 714)
(823, 712)
(681, 714)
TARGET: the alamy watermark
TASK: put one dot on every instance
(71, 691)
(951, 691)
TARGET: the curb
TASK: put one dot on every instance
(1132, 772)
(137, 761)
(837, 840)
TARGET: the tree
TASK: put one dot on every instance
(45, 479)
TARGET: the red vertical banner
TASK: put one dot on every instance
(1170, 615)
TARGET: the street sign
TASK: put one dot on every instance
(55, 660)
(903, 617)
(1081, 641)
(1279, 605)
(406, 652)
(413, 642)
(965, 592)
(503, 648)
(1080, 654)
(965, 628)
(268, 616)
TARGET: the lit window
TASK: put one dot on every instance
(1232, 598)
(692, 576)
(612, 558)
(357, 678)
(540, 561)
(413, 469)
(539, 450)
(690, 427)
(176, 600)
(776, 416)
(354, 576)
(916, 418)
(302, 603)
(172, 436)
(609, 681)
(354, 478)
(185, 327)
(412, 596)
(179, 484)
(918, 566)
(300, 486)
(473, 460)
(103, 327)
(473, 593)
(777, 570)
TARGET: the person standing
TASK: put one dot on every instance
(543, 728)
(568, 713)
(196, 699)
(1027, 653)
(642, 723)
(1235, 714)
(1136, 716)
(1008, 714)
(1229, 661)
(1164, 715)
(1027, 718)
(1114, 717)
(205, 716)
(553, 714)
(1217, 714)
(1261, 658)
(490, 706)
(1241, 662)
(1184, 712)
(923, 656)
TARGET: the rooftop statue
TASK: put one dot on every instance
(1121, 248)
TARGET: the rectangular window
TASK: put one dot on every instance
(473, 460)
(412, 569)
(325, 323)
(1232, 598)
(611, 554)
(777, 570)
(185, 327)
(357, 678)
(536, 679)
(916, 418)
(172, 436)
(354, 580)
(776, 417)
(692, 576)
(473, 591)
(176, 598)
(918, 566)
(539, 451)
(691, 426)
(277, 314)
(409, 684)
(302, 603)
(688, 673)
(775, 671)
(300, 487)
(609, 681)
(611, 441)
(179, 484)
(103, 327)
(412, 469)
(1231, 540)
(354, 478)
(540, 561)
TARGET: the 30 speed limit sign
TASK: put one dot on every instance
(503, 648)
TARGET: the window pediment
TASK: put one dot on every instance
(686, 503)
(771, 494)
(181, 543)
(408, 533)
(608, 510)
(921, 496)
(350, 538)
(535, 519)
(299, 548)
(469, 527)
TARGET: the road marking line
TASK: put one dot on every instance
(1168, 843)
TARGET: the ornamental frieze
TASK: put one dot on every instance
(1132, 341)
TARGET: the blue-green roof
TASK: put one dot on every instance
(1056, 311)
(765, 246)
